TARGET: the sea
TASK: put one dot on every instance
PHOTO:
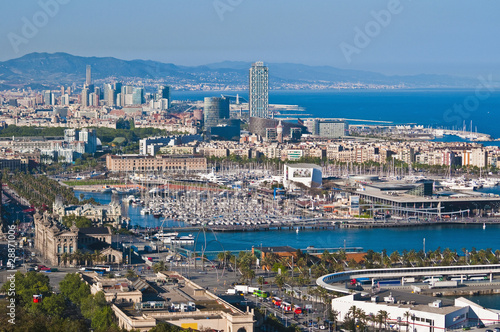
(439, 108)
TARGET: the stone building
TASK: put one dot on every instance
(160, 163)
(53, 240)
(96, 213)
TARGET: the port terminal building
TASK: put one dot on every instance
(421, 200)
(415, 312)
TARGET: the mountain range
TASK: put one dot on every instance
(50, 70)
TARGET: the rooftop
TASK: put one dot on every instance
(276, 249)
(303, 165)
(412, 301)
(94, 230)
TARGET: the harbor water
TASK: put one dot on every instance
(441, 236)
(454, 237)
(402, 106)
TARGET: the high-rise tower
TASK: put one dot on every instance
(164, 93)
(88, 79)
(259, 90)
(214, 110)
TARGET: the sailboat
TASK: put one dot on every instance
(484, 225)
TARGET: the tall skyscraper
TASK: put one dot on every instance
(138, 96)
(215, 109)
(85, 97)
(164, 93)
(88, 79)
(48, 98)
(259, 90)
(117, 86)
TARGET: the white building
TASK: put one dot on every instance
(151, 145)
(309, 175)
(418, 312)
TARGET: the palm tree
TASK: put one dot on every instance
(65, 257)
(77, 257)
(261, 280)
(87, 257)
(130, 274)
(351, 316)
(383, 316)
(224, 257)
(332, 317)
(97, 256)
(407, 316)
(377, 319)
(160, 266)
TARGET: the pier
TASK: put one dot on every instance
(294, 225)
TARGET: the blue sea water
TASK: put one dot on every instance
(425, 107)
(454, 237)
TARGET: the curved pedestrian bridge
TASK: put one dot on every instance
(327, 280)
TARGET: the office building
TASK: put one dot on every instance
(312, 126)
(87, 138)
(138, 96)
(48, 98)
(65, 100)
(85, 97)
(163, 93)
(215, 109)
(333, 128)
(88, 80)
(271, 134)
(117, 86)
(259, 91)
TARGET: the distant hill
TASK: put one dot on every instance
(40, 70)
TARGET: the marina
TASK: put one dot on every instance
(446, 235)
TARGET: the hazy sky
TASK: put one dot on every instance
(420, 36)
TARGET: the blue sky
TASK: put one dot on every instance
(423, 36)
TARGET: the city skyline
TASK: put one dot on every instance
(392, 37)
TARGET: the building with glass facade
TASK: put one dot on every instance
(215, 109)
(259, 90)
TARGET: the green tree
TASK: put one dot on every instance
(160, 266)
(130, 274)
(54, 305)
(165, 327)
(79, 221)
(102, 319)
(73, 288)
